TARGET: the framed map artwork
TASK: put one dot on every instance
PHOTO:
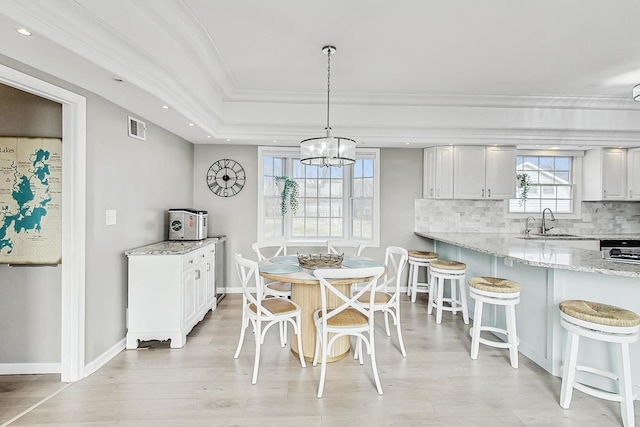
(30, 200)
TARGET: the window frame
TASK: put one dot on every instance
(576, 178)
(347, 197)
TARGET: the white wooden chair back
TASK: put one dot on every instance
(266, 250)
(395, 259)
(347, 247)
(347, 301)
(249, 276)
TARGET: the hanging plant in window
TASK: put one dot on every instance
(524, 182)
(288, 194)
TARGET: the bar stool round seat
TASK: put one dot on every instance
(416, 260)
(453, 271)
(500, 292)
(606, 323)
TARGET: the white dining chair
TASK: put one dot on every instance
(347, 247)
(258, 310)
(387, 292)
(348, 318)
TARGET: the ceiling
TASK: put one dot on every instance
(406, 73)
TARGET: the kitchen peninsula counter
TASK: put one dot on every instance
(539, 252)
(548, 272)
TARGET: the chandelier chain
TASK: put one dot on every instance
(328, 88)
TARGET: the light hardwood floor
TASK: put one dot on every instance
(203, 385)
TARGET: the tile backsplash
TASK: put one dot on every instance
(488, 216)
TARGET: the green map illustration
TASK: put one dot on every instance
(30, 200)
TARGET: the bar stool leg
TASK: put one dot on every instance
(439, 299)
(414, 282)
(410, 280)
(626, 387)
(512, 336)
(432, 291)
(477, 325)
(463, 299)
(569, 370)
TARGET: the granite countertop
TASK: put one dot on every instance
(172, 247)
(542, 253)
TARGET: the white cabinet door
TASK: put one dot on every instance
(604, 174)
(189, 291)
(469, 172)
(633, 173)
(500, 173)
(210, 276)
(614, 174)
(429, 173)
(444, 172)
(438, 173)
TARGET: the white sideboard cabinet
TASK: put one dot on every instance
(171, 289)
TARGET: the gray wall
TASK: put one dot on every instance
(401, 183)
(29, 296)
(140, 180)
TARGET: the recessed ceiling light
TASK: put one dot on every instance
(166, 107)
(23, 31)
(228, 140)
(208, 136)
(408, 143)
(554, 148)
(275, 140)
(191, 124)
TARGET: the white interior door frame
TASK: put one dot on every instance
(74, 142)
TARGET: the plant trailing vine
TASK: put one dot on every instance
(288, 195)
(525, 182)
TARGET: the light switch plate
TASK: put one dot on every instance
(110, 217)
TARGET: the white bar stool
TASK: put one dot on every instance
(603, 323)
(416, 260)
(453, 271)
(496, 291)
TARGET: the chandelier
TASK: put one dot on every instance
(636, 93)
(328, 150)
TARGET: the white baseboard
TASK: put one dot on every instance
(30, 368)
(105, 357)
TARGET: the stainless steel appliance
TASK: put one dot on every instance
(621, 250)
(187, 224)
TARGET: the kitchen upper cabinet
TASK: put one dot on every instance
(438, 172)
(604, 174)
(633, 173)
(484, 172)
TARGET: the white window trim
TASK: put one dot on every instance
(577, 186)
(292, 152)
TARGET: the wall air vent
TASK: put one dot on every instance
(137, 129)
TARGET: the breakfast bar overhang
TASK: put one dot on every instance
(548, 273)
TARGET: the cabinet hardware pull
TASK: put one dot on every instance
(483, 192)
(489, 193)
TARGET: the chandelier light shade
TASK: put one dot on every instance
(636, 93)
(328, 150)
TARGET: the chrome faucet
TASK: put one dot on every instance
(544, 223)
(527, 230)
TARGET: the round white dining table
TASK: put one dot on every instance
(305, 291)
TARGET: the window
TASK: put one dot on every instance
(332, 202)
(550, 184)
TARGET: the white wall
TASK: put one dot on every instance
(140, 180)
(236, 217)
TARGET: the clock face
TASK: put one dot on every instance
(225, 178)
